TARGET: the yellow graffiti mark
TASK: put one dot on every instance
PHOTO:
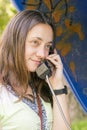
(57, 15)
(76, 28)
(62, 45)
(59, 12)
(71, 9)
(64, 48)
(73, 68)
(66, 34)
(32, 2)
(47, 2)
(59, 31)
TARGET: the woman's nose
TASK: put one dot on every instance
(41, 52)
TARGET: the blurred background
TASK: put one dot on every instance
(78, 116)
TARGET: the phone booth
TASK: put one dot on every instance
(70, 19)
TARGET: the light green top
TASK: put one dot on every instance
(18, 115)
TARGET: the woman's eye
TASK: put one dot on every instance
(48, 46)
(35, 43)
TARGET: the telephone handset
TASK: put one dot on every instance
(45, 68)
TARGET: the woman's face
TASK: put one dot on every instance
(37, 45)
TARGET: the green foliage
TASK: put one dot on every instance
(7, 11)
(79, 125)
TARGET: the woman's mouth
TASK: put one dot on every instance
(36, 61)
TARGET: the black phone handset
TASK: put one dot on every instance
(44, 71)
(46, 67)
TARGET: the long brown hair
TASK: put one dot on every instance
(13, 69)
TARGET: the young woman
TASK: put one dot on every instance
(26, 102)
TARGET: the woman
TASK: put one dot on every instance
(26, 102)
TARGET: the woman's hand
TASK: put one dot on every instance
(56, 81)
(57, 77)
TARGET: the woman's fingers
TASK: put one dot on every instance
(55, 59)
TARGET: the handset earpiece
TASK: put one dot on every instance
(51, 50)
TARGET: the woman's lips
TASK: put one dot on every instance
(36, 61)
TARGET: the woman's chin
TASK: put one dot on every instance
(32, 69)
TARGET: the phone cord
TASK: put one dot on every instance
(58, 104)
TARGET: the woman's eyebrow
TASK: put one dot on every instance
(39, 38)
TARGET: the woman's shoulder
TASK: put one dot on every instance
(5, 95)
(3, 92)
(2, 88)
(3, 98)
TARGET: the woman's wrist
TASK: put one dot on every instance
(58, 85)
(61, 91)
